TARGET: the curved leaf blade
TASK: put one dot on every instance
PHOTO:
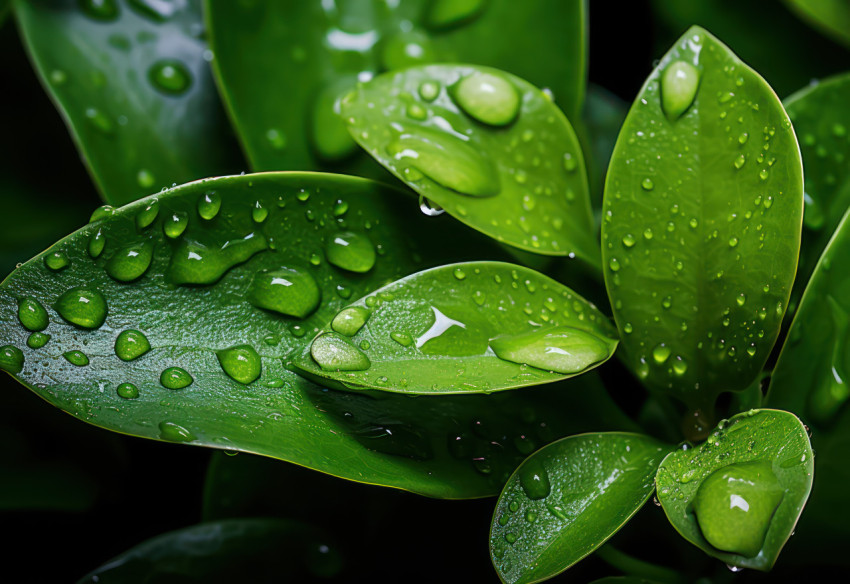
(473, 327)
(134, 89)
(831, 17)
(569, 498)
(518, 176)
(306, 54)
(701, 223)
(750, 480)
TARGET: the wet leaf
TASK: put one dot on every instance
(701, 223)
(132, 83)
(738, 495)
(831, 17)
(486, 146)
(307, 54)
(473, 327)
(569, 498)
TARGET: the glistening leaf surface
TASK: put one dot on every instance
(204, 256)
(306, 54)
(701, 222)
(738, 495)
(131, 81)
(488, 147)
(472, 327)
(567, 499)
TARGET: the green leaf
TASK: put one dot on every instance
(603, 116)
(701, 223)
(235, 550)
(134, 88)
(306, 54)
(473, 327)
(569, 498)
(822, 122)
(739, 495)
(488, 147)
(217, 246)
(831, 17)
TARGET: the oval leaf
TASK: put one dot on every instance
(701, 223)
(474, 327)
(132, 83)
(306, 54)
(739, 495)
(569, 498)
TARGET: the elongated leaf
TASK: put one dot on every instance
(132, 83)
(822, 122)
(739, 495)
(701, 223)
(604, 114)
(225, 551)
(567, 499)
(488, 147)
(831, 17)
(305, 54)
(473, 327)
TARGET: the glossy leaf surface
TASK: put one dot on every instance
(567, 499)
(738, 495)
(701, 223)
(832, 17)
(473, 327)
(486, 146)
(216, 248)
(306, 54)
(225, 551)
(134, 88)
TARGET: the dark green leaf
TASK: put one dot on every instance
(473, 327)
(739, 495)
(306, 54)
(831, 17)
(701, 223)
(604, 114)
(567, 499)
(132, 83)
(235, 550)
(488, 147)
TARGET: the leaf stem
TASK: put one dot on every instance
(635, 567)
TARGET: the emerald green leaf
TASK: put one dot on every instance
(569, 498)
(831, 17)
(473, 327)
(134, 88)
(822, 122)
(304, 55)
(738, 496)
(233, 550)
(488, 147)
(603, 116)
(701, 223)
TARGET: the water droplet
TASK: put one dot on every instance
(194, 262)
(289, 291)
(763, 174)
(175, 224)
(459, 274)
(56, 261)
(32, 314)
(174, 432)
(614, 264)
(628, 240)
(102, 212)
(647, 234)
(628, 328)
(742, 139)
(741, 299)
(127, 391)
(428, 208)
(99, 120)
(733, 241)
(570, 162)
(661, 353)
(333, 352)
(340, 208)
(680, 366)
(647, 184)
(100, 9)
(209, 205)
(241, 363)
(739, 162)
(562, 349)
(84, 307)
(429, 90)
(76, 358)
(679, 84)
(130, 262)
(11, 359)
(96, 244)
(350, 251)
(488, 98)
(170, 76)
(403, 339)
(37, 340)
(131, 344)
(534, 479)
(175, 378)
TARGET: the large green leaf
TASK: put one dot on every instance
(739, 495)
(131, 80)
(234, 550)
(569, 498)
(209, 258)
(473, 327)
(832, 17)
(701, 223)
(488, 147)
(306, 53)
(822, 122)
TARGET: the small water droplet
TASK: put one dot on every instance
(661, 353)
(130, 262)
(209, 205)
(83, 306)
(127, 391)
(175, 433)
(131, 344)
(428, 208)
(534, 479)
(175, 378)
(647, 184)
(175, 224)
(37, 340)
(32, 314)
(333, 352)
(170, 76)
(241, 363)
(76, 358)
(429, 90)
(488, 98)
(350, 251)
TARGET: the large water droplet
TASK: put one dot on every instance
(333, 352)
(488, 98)
(350, 251)
(428, 208)
(84, 307)
(11, 359)
(37, 340)
(170, 76)
(76, 358)
(734, 506)
(289, 291)
(147, 215)
(175, 378)
(679, 84)
(350, 320)
(175, 224)
(534, 479)
(242, 363)
(96, 244)
(56, 261)
(131, 344)
(194, 262)
(209, 205)
(175, 432)
(562, 349)
(127, 391)
(32, 314)
(130, 262)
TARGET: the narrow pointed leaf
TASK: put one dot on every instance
(486, 146)
(831, 17)
(132, 83)
(473, 327)
(306, 54)
(738, 496)
(701, 222)
(569, 498)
